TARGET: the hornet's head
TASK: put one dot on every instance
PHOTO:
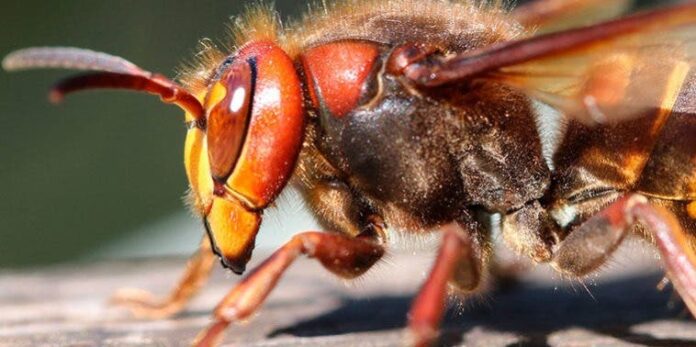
(245, 129)
(242, 154)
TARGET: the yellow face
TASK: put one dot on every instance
(198, 170)
(231, 226)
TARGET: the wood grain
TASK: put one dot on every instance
(66, 305)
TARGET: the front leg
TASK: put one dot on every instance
(589, 246)
(146, 305)
(343, 255)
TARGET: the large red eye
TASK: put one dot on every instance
(276, 128)
(228, 119)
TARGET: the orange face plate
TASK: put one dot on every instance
(337, 73)
(276, 128)
(233, 231)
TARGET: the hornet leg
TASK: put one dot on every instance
(144, 304)
(343, 255)
(458, 263)
(589, 245)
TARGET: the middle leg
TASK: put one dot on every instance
(459, 264)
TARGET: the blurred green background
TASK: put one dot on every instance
(80, 175)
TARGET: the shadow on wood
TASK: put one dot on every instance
(66, 305)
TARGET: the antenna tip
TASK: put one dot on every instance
(55, 96)
(8, 63)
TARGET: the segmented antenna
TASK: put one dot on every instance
(68, 58)
(108, 72)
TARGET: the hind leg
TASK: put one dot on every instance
(590, 244)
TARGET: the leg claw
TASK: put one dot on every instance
(143, 304)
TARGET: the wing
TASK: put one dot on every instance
(553, 15)
(597, 74)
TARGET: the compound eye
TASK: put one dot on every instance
(229, 108)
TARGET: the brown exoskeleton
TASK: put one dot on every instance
(428, 116)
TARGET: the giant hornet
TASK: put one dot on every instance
(430, 116)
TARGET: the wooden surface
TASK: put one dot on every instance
(66, 306)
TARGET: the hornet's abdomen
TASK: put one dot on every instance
(654, 154)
